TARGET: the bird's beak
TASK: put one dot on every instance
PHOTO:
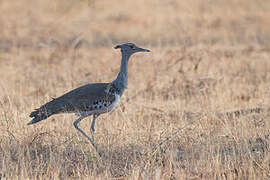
(143, 50)
(116, 47)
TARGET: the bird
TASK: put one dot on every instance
(91, 99)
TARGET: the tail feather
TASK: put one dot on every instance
(38, 115)
(55, 106)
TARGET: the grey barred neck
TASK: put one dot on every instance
(121, 81)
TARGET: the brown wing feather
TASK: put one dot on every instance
(79, 99)
(76, 100)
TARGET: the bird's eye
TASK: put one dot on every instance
(132, 47)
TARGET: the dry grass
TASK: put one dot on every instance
(208, 57)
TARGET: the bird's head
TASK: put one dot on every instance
(130, 48)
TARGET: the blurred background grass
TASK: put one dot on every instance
(208, 57)
(167, 22)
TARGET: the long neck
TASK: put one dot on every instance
(121, 81)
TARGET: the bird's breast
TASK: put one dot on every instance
(115, 102)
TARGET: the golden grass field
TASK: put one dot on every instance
(197, 106)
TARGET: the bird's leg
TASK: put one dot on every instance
(93, 126)
(81, 131)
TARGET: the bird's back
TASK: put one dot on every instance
(82, 99)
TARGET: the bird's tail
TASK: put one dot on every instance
(38, 115)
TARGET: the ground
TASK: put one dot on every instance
(196, 107)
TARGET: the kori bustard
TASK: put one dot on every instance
(91, 99)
